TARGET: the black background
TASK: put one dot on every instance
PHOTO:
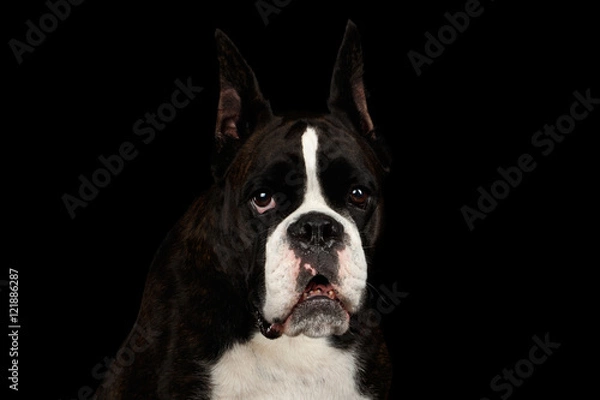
(475, 298)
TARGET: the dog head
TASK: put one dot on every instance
(302, 196)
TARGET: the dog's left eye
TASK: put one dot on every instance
(263, 201)
(359, 197)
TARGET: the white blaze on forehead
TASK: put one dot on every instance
(310, 145)
(282, 267)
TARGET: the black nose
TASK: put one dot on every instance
(315, 229)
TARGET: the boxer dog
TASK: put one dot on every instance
(260, 290)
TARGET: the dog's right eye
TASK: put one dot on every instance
(359, 197)
(263, 201)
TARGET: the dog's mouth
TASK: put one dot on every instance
(318, 288)
(319, 312)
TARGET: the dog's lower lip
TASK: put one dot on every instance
(269, 330)
(319, 292)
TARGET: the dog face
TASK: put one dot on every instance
(303, 193)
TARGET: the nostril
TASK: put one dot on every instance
(301, 231)
(306, 233)
(329, 230)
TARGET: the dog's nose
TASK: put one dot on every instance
(316, 229)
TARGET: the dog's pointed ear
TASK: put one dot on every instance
(241, 108)
(347, 95)
(347, 92)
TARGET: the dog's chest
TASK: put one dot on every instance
(285, 368)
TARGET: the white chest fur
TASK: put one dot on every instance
(285, 368)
